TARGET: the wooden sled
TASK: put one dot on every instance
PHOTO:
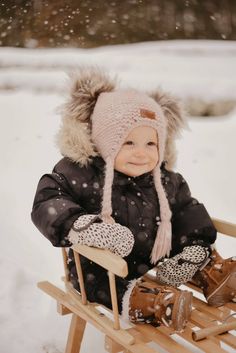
(208, 328)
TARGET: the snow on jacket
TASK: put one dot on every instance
(72, 190)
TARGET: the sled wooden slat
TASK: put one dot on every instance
(139, 338)
(207, 345)
(87, 312)
(140, 346)
(162, 338)
(214, 330)
(104, 258)
(80, 277)
(204, 322)
(112, 284)
(114, 347)
(206, 315)
(111, 345)
(64, 256)
(215, 313)
(224, 227)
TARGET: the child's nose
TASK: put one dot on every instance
(139, 151)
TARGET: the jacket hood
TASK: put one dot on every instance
(74, 137)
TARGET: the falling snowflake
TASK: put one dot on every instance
(52, 211)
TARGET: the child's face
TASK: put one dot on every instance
(139, 152)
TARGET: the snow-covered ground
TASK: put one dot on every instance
(31, 83)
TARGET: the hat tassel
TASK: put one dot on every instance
(163, 241)
(107, 192)
(162, 245)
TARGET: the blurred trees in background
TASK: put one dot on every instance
(91, 23)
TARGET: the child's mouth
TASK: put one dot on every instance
(138, 164)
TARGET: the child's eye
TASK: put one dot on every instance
(151, 143)
(128, 143)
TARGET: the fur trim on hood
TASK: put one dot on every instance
(74, 137)
(176, 122)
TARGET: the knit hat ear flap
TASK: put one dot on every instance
(176, 122)
(162, 245)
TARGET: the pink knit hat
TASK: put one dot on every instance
(115, 114)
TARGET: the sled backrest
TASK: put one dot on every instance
(224, 227)
(114, 265)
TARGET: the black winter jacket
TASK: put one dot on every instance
(71, 191)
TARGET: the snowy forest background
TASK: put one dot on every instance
(88, 23)
(186, 47)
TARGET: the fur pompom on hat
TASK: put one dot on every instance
(102, 117)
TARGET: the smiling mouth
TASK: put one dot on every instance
(138, 164)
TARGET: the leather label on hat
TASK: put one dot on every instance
(147, 114)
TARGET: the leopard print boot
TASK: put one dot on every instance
(218, 280)
(159, 305)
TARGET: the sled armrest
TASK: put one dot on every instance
(104, 258)
(114, 265)
(224, 227)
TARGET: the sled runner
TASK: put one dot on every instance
(209, 328)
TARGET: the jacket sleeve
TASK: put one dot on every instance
(191, 223)
(55, 209)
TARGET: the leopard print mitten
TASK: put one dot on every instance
(182, 267)
(92, 231)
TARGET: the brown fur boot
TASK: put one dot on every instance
(152, 303)
(218, 280)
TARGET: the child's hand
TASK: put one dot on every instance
(182, 267)
(92, 231)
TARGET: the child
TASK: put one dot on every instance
(113, 190)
